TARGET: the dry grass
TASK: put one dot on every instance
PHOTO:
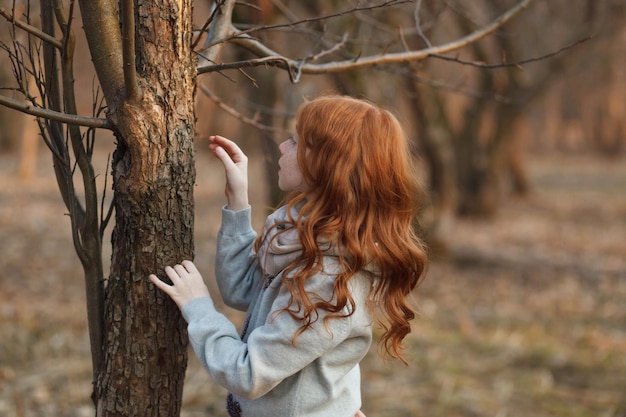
(527, 318)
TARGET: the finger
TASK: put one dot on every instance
(172, 274)
(224, 157)
(158, 283)
(190, 267)
(220, 141)
(167, 289)
(217, 142)
(181, 271)
(213, 139)
(230, 147)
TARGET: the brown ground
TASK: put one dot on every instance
(527, 319)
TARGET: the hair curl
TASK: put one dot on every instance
(355, 158)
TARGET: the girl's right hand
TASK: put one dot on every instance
(236, 168)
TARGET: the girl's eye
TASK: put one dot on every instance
(292, 140)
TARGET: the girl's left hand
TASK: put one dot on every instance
(187, 283)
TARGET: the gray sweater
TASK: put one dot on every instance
(267, 375)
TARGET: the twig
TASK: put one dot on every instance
(235, 113)
(55, 115)
(255, 62)
(329, 51)
(517, 64)
(284, 9)
(207, 23)
(418, 25)
(31, 29)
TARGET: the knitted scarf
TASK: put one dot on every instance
(281, 242)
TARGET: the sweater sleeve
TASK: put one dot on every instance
(234, 260)
(251, 369)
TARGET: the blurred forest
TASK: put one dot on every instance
(520, 142)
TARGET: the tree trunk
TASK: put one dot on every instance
(145, 340)
(435, 140)
(520, 182)
(474, 181)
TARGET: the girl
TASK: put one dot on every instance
(340, 254)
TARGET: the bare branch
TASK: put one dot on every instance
(133, 93)
(356, 8)
(220, 29)
(55, 115)
(284, 9)
(236, 114)
(341, 44)
(300, 66)
(209, 20)
(517, 64)
(271, 61)
(238, 33)
(31, 29)
(418, 25)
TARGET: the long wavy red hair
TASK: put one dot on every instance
(355, 159)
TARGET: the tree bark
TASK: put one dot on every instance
(145, 336)
(145, 340)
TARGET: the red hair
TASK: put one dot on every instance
(355, 158)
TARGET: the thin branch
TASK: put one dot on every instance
(55, 115)
(84, 220)
(78, 213)
(340, 45)
(355, 9)
(221, 27)
(272, 61)
(418, 25)
(206, 24)
(237, 33)
(446, 87)
(363, 62)
(133, 93)
(69, 42)
(517, 64)
(31, 29)
(282, 7)
(246, 120)
(61, 19)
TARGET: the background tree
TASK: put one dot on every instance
(472, 119)
(498, 93)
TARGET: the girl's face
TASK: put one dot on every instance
(289, 174)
